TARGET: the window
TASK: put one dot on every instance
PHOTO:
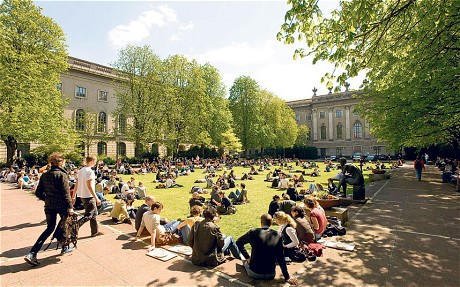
(80, 92)
(297, 118)
(338, 113)
(80, 120)
(339, 151)
(122, 149)
(339, 131)
(101, 148)
(102, 122)
(308, 117)
(103, 96)
(121, 124)
(59, 87)
(357, 130)
(323, 132)
(322, 115)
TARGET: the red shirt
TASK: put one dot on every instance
(321, 218)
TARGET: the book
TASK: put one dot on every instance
(181, 249)
(161, 254)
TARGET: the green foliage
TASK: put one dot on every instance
(230, 142)
(32, 57)
(410, 51)
(140, 94)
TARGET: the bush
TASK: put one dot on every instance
(30, 159)
(107, 160)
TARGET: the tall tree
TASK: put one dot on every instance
(32, 57)
(410, 51)
(245, 104)
(219, 115)
(185, 102)
(140, 94)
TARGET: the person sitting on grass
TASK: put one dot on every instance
(293, 194)
(286, 204)
(151, 221)
(171, 183)
(123, 211)
(240, 197)
(274, 205)
(208, 243)
(225, 206)
(267, 250)
(196, 199)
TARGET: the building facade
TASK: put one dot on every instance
(90, 88)
(335, 127)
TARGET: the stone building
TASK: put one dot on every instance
(335, 127)
(89, 87)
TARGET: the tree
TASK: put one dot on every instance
(185, 102)
(245, 104)
(410, 51)
(32, 57)
(230, 142)
(140, 94)
(302, 136)
(219, 115)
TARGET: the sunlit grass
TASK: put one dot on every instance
(247, 216)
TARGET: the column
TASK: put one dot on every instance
(315, 124)
(331, 124)
(347, 123)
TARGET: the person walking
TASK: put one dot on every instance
(53, 188)
(419, 166)
(85, 187)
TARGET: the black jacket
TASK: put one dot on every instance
(53, 188)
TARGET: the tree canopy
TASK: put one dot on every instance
(410, 51)
(32, 57)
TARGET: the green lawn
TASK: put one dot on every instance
(175, 200)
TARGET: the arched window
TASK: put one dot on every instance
(357, 130)
(101, 148)
(323, 132)
(122, 149)
(102, 122)
(80, 120)
(122, 124)
(339, 131)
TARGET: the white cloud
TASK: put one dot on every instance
(139, 29)
(189, 26)
(240, 54)
(174, 38)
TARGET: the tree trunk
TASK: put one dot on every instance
(138, 150)
(11, 146)
(455, 145)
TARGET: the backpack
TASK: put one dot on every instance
(66, 232)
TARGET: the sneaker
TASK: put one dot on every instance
(31, 258)
(66, 249)
(97, 234)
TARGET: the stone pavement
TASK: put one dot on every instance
(408, 234)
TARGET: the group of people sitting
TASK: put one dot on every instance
(210, 246)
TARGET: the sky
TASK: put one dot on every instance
(236, 37)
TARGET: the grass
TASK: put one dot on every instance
(175, 200)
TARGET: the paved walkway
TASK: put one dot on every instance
(408, 234)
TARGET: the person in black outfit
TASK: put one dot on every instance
(196, 199)
(53, 188)
(293, 194)
(274, 205)
(267, 249)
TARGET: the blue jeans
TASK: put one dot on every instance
(171, 226)
(184, 233)
(230, 246)
(254, 275)
(418, 174)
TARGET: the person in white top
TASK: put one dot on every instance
(85, 187)
(283, 184)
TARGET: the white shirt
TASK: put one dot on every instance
(283, 183)
(85, 174)
(292, 235)
(169, 183)
(125, 189)
(151, 221)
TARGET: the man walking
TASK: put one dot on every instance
(419, 166)
(267, 249)
(85, 187)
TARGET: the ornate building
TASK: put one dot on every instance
(335, 127)
(89, 87)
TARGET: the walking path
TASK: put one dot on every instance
(408, 234)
